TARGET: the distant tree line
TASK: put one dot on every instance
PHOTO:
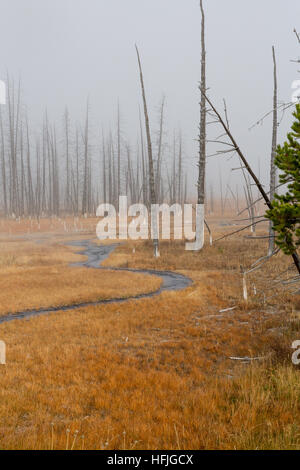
(65, 170)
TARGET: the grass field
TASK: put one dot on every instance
(154, 373)
(33, 277)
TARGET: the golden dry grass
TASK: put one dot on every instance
(36, 277)
(145, 369)
(156, 373)
(43, 287)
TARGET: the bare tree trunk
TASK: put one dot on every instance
(212, 199)
(174, 178)
(38, 182)
(202, 142)
(110, 188)
(77, 174)
(55, 172)
(273, 154)
(103, 169)
(221, 193)
(86, 168)
(29, 176)
(13, 117)
(119, 158)
(144, 169)
(90, 199)
(3, 169)
(43, 203)
(22, 188)
(160, 147)
(130, 176)
(67, 194)
(154, 220)
(185, 189)
(180, 171)
(49, 208)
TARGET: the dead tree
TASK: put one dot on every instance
(44, 197)
(119, 157)
(160, 149)
(30, 201)
(180, 171)
(273, 154)
(38, 182)
(67, 132)
(22, 176)
(55, 174)
(247, 188)
(174, 177)
(245, 163)
(13, 127)
(154, 221)
(103, 169)
(202, 141)
(221, 192)
(77, 173)
(85, 138)
(144, 165)
(212, 199)
(3, 167)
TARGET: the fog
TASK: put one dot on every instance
(68, 51)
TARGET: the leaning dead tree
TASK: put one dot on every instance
(154, 221)
(247, 166)
(273, 153)
(247, 187)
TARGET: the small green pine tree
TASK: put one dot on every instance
(285, 213)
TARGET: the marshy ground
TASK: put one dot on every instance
(154, 373)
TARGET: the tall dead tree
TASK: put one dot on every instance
(154, 221)
(103, 169)
(180, 171)
(77, 173)
(160, 150)
(14, 121)
(67, 132)
(202, 141)
(22, 176)
(85, 138)
(44, 200)
(119, 157)
(30, 201)
(3, 167)
(273, 153)
(144, 165)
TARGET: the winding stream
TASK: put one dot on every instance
(95, 254)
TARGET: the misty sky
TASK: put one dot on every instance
(68, 50)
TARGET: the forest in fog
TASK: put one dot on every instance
(62, 168)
